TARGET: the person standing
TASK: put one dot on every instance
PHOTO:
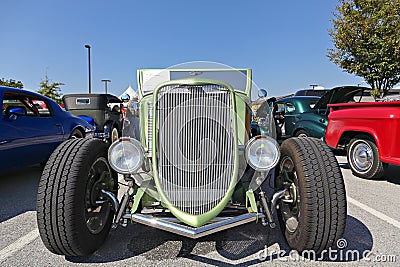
(133, 118)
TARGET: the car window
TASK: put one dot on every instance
(43, 107)
(34, 107)
(14, 103)
(280, 107)
(312, 103)
(290, 107)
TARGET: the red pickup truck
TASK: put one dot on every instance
(369, 132)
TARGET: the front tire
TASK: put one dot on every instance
(70, 220)
(313, 212)
(363, 158)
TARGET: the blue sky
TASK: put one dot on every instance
(284, 42)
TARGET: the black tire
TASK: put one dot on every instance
(317, 217)
(302, 133)
(68, 221)
(363, 158)
(76, 133)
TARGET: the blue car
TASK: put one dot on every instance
(32, 126)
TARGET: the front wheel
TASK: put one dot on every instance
(73, 215)
(363, 158)
(302, 133)
(312, 213)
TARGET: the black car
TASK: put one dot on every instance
(99, 110)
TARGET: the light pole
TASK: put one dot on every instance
(105, 83)
(313, 86)
(90, 78)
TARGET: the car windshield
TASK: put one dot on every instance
(237, 78)
(311, 102)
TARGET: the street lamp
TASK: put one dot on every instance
(90, 78)
(105, 83)
(313, 86)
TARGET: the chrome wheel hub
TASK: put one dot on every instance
(362, 157)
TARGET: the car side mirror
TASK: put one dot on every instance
(262, 93)
(15, 112)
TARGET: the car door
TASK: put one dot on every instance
(31, 137)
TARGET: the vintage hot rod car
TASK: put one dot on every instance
(194, 172)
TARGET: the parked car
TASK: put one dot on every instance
(99, 110)
(367, 132)
(194, 172)
(305, 116)
(32, 126)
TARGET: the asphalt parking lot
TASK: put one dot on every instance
(372, 234)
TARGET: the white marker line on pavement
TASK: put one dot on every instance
(376, 213)
(18, 245)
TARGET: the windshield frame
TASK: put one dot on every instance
(163, 75)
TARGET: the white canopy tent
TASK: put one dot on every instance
(131, 92)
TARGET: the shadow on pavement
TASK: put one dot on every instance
(18, 191)
(392, 174)
(244, 244)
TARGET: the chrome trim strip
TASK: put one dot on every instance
(150, 128)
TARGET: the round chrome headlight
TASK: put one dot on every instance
(126, 155)
(262, 153)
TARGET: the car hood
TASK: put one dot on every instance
(342, 94)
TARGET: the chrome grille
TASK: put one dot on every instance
(195, 145)
(150, 127)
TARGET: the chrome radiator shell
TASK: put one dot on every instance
(195, 145)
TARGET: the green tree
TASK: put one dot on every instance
(51, 90)
(366, 39)
(11, 83)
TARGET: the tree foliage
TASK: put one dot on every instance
(11, 83)
(51, 90)
(366, 38)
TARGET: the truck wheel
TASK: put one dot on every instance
(313, 211)
(73, 217)
(302, 133)
(363, 158)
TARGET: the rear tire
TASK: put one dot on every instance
(70, 221)
(316, 218)
(363, 158)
